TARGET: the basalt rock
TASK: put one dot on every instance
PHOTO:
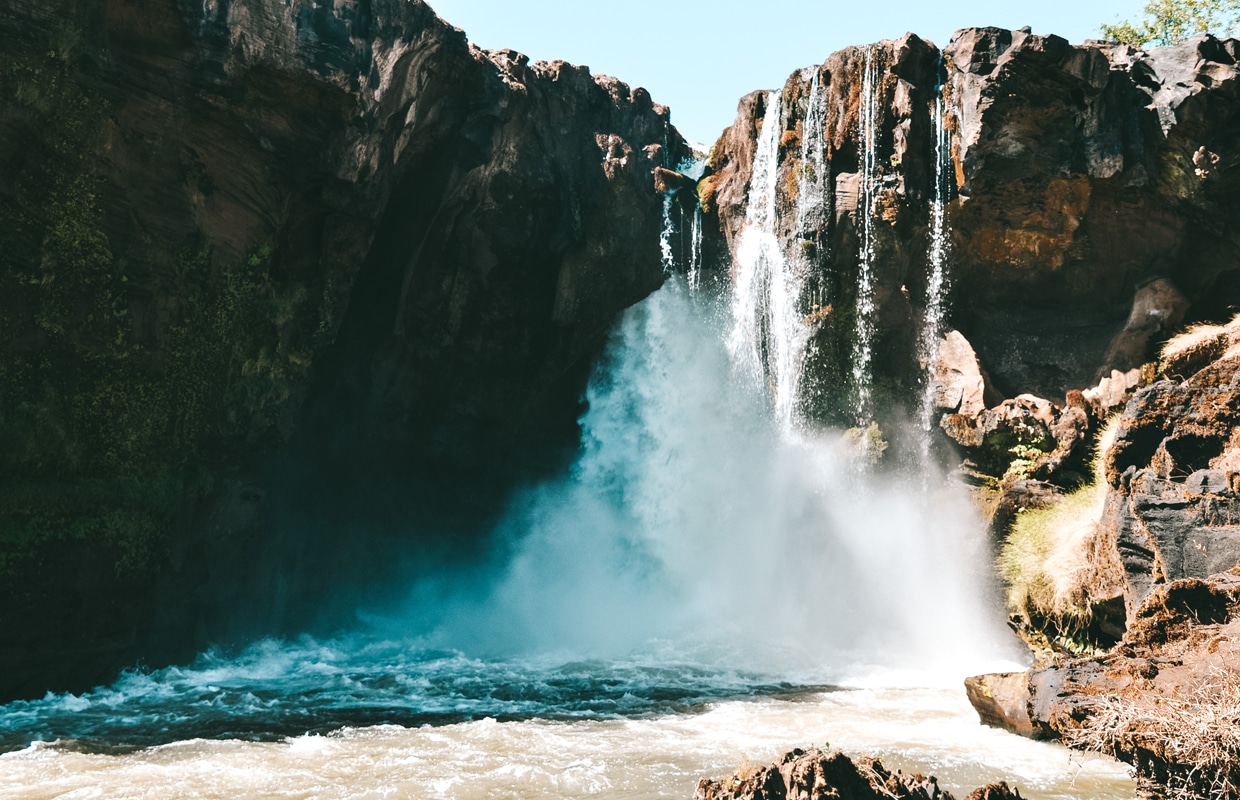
(1025, 437)
(819, 775)
(258, 258)
(1164, 699)
(1174, 472)
(1002, 701)
(1091, 204)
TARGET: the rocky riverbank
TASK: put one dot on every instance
(1165, 697)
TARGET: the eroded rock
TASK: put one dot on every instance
(820, 775)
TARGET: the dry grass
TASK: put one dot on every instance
(1189, 744)
(1057, 562)
(1197, 346)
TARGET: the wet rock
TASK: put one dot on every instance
(819, 775)
(1080, 228)
(994, 791)
(1001, 701)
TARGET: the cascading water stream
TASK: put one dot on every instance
(666, 255)
(813, 196)
(694, 272)
(864, 334)
(768, 335)
(932, 327)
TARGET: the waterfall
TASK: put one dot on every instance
(768, 336)
(666, 255)
(813, 197)
(868, 134)
(695, 250)
(936, 282)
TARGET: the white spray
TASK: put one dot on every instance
(695, 517)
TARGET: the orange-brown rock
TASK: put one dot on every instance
(831, 775)
(1086, 219)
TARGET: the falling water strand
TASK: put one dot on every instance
(665, 237)
(695, 250)
(861, 371)
(769, 336)
(812, 195)
(936, 281)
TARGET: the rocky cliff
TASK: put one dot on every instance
(1164, 698)
(1080, 174)
(262, 263)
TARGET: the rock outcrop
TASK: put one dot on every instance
(1173, 508)
(1166, 699)
(1082, 228)
(258, 258)
(820, 774)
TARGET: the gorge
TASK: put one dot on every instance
(436, 414)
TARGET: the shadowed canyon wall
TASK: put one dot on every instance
(262, 263)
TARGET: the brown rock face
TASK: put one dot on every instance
(1002, 701)
(1172, 505)
(1163, 700)
(1082, 229)
(819, 775)
(337, 237)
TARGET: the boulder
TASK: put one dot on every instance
(831, 775)
(959, 387)
(1001, 701)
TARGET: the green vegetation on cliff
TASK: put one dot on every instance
(108, 427)
(1056, 568)
(1171, 21)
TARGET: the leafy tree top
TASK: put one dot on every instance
(1171, 21)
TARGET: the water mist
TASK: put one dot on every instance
(696, 520)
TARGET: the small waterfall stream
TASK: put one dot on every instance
(861, 371)
(933, 322)
(665, 237)
(694, 271)
(813, 196)
(768, 335)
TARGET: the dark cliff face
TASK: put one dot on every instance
(1173, 473)
(250, 247)
(1081, 174)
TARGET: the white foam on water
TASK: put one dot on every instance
(926, 730)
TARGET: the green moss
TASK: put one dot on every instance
(97, 422)
(123, 518)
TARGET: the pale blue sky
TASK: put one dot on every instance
(700, 57)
